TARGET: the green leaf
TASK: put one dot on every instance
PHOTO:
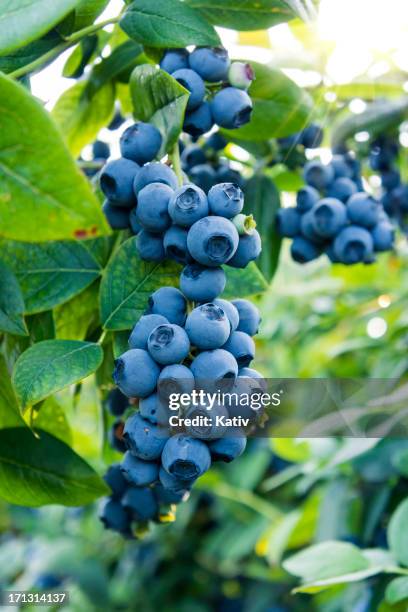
(76, 63)
(84, 15)
(397, 590)
(397, 533)
(243, 283)
(400, 461)
(39, 471)
(23, 21)
(52, 365)
(10, 415)
(50, 273)
(51, 417)
(127, 283)
(80, 118)
(321, 585)
(280, 106)
(73, 319)
(43, 195)
(167, 23)
(378, 117)
(11, 303)
(159, 99)
(262, 201)
(27, 54)
(244, 14)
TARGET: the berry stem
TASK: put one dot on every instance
(175, 159)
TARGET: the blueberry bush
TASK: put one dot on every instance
(178, 203)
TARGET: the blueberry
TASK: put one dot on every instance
(175, 244)
(100, 150)
(211, 63)
(140, 142)
(303, 250)
(212, 241)
(216, 142)
(230, 310)
(136, 373)
(141, 503)
(249, 249)
(174, 484)
(185, 458)
(114, 516)
(141, 331)
(226, 174)
(48, 581)
(116, 181)
(202, 284)
(208, 326)
(341, 167)
(312, 136)
(187, 205)
(194, 83)
(193, 155)
(115, 480)
(390, 179)
(363, 209)
(257, 380)
(169, 302)
(174, 59)
(154, 410)
(353, 244)
(117, 121)
(225, 200)
(307, 228)
(328, 216)
(155, 172)
(166, 497)
(139, 472)
(198, 121)
(242, 347)
(210, 428)
(228, 447)
(288, 222)
(399, 199)
(215, 369)
(249, 317)
(231, 108)
(133, 222)
(238, 404)
(175, 378)
(143, 439)
(152, 207)
(168, 344)
(150, 246)
(241, 75)
(318, 175)
(383, 236)
(115, 437)
(203, 176)
(342, 189)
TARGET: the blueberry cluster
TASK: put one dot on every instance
(335, 216)
(217, 87)
(291, 149)
(383, 156)
(174, 349)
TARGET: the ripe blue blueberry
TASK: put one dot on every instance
(133, 222)
(307, 228)
(139, 472)
(306, 198)
(198, 121)
(175, 244)
(136, 373)
(303, 250)
(212, 241)
(342, 189)
(318, 175)
(174, 59)
(242, 347)
(100, 150)
(216, 142)
(193, 155)
(154, 172)
(240, 75)
(114, 516)
(225, 200)
(143, 439)
(141, 503)
(383, 236)
(211, 63)
(194, 83)
(169, 302)
(154, 410)
(230, 310)
(228, 447)
(312, 136)
(116, 402)
(166, 497)
(390, 179)
(150, 246)
(117, 179)
(140, 142)
(341, 168)
(208, 326)
(185, 458)
(174, 484)
(141, 331)
(152, 207)
(115, 480)
(353, 244)
(226, 174)
(201, 284)
(249, 317)
(249, 249)
(216, 369)
(203, 176)
(187, 205)
(328, 216)
(258, 382)
(175, 378)
(210, 428)
(168, 344)
(117, 216)
(231, 108)
(363, 209)
(115, 436)
(288, 222)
